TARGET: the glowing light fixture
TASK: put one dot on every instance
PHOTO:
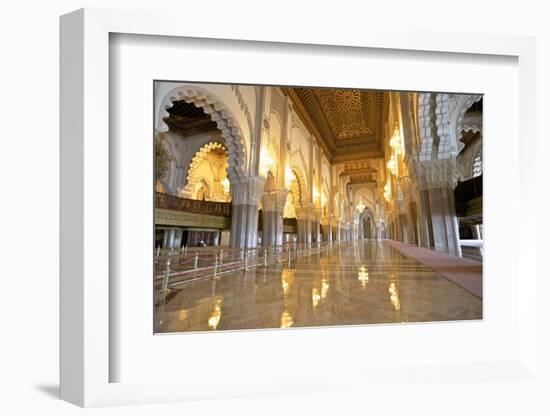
(395, 141)
(323, 199)
(360, 206)
(289, 176)
(266, 162)
(387, 191)
(315, 194)
(392, 164)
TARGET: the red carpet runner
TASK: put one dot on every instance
(466, 273)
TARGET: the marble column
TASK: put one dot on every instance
(326, 231)
(316, 225)
(168, 239)
(245, 200)
(403, 221)
(435, 180)
(397, 226)
(303, 223)
(412, 223)
(367, 232)
(360, 230)
(177, 239)
(273, 203)
(451, 222)
(334, 230)
(444, 220)
(341, 232)
(424, 219)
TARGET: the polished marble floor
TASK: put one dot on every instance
(365, 283)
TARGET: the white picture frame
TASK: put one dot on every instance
(86, 356)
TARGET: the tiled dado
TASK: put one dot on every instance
(366, 283)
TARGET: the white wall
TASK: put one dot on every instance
(29, 170)
(300, 151)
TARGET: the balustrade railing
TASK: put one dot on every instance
(176, 267)
(166, 201)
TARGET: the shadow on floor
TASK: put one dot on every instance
(51, 390)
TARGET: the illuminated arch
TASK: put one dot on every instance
(189, 190)
(202, 189)
(220, 114)
(301, 196)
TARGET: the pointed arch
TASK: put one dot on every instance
(220, 114)
(198, 157)
(302, 198)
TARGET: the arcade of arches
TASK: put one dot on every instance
(380, 180)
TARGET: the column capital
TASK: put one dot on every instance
(303, 212)
(432, 174)
(409, 190)
(247, 191)
(274, 200)
(315, 213)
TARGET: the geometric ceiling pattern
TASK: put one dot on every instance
(350, 113)
(348, 121)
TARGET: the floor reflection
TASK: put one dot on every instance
(360, 283)
(363, 275)
(215, 315)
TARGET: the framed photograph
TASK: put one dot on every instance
(372, 218)
(284, 213)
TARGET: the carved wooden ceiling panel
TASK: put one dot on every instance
(365, 166)
(350, 113)
(188, 119)
(359, 179)
(348, 121)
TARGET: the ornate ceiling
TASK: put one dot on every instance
(360, 172)
(188, 119)
(348, 112)
(348, 121)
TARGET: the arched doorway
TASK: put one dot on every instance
(218, 104)
(218, 113)
(193, 164)
(296, 205)
(207, 178)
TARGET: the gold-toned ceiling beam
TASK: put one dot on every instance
(344, 150)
